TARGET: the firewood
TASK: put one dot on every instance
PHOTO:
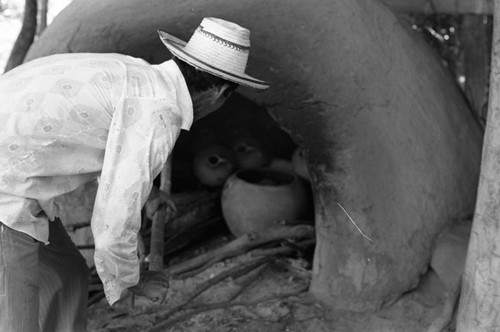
(190, 214)
(234, 272)
(95, 298)
(176, 241)
(198, 213)
(284, 250)
(76, 226)
(162, 326)
(185, 200)
(241, 245)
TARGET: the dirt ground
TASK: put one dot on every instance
(271, 298)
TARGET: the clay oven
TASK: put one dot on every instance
(391, 143)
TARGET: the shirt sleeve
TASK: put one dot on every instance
(142, 134)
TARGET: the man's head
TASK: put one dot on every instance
(213, 62)
(208, 92)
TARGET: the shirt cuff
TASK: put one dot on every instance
(112, 291)
(115, 284)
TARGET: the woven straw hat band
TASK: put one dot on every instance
(221, 43)
(218, 54)
(229, 31)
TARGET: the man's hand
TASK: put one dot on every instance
(153, 285)
(156, 199)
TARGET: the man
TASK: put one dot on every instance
(68, 119)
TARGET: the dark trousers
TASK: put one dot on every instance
(42, 287)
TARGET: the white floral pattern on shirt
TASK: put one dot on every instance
(67, 119)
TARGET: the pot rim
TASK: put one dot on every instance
(267, 170)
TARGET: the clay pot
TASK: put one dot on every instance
(256, 199)
(249, 153)
(213, 164)
(299, 163)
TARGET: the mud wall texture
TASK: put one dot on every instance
(391, 142)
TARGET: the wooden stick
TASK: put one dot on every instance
(233, 272)
(243, 244)
(141, 249)
(178, 241)
(480, 299)
(197, 213)
(158, 226)
(252, 277)
(282, 250)
(189, 198)
(78, 225)
(184, 219)
(162, 326)
(95, 298)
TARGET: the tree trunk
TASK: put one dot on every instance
(44, 7)
(392, 146)
(476, 44)
(26, 36)
(478, 310)
(452, 7)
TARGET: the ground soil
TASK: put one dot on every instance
(289, 306)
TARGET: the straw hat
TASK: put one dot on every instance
(218, 47)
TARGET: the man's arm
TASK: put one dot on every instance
(142, 134)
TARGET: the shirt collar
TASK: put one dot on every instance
(184, 101)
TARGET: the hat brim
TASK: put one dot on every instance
(176, 47)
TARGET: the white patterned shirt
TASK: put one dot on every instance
(66, 120)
